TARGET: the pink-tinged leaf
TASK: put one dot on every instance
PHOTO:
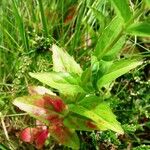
(34, 90)
(40, 104)
(47, 109)
(27, 135)
(36, 106)
(29, 108)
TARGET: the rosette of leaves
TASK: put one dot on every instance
(76, 108)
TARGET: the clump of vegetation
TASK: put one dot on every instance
(91, 58)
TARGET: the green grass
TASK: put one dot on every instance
(27, 31)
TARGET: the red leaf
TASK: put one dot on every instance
(56, 102)
(37, 135)
(40, 138)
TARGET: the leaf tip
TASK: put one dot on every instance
(31, 74)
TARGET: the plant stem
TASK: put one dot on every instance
(4, 128)
(123, 29)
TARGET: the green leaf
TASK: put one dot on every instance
(142, 147)
(104, 67)
(78, 122)
(106, 40)
(117, 69)
(64, 82)
(86, 80)
(122, 9)
(42, 109)
(100, 122)
(139, 29)
(99, 112)
(91, 101)
(112, 54)
(148, 3)
(63, 62)
(101, 108)
(99, 68)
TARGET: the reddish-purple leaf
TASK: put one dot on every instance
(40, 138)
(56, 102)
(34, 135)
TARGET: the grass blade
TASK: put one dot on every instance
(43, 18)
(20, 24)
